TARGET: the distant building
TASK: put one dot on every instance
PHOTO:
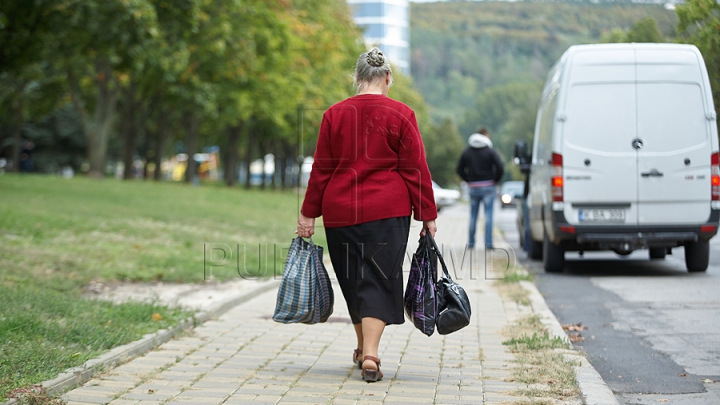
(387, 26)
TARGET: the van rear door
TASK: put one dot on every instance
(599, 163)
(674, 149)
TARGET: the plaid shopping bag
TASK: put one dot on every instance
(419, 300)
(305, 294)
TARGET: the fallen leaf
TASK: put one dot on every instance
(574, 327)
(574, 338)
(151, 391)
(708, 381)
(663, 400)
(682, 375)
(156, 317)
(620, 376)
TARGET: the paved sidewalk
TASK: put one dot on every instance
(243, 357)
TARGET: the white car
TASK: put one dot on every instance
(444, 197)
(510, 191)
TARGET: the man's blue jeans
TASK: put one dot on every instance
(486, 195)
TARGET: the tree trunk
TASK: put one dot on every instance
(248, 156)
(274, 151)
(147, 152)
(287, 159)
(17, 132)
(262, 172)
(97, 129)
(281, 164)
(231, 159)
(160, 138)
(128, 129)
(192, 124)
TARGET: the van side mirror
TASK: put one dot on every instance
(521, 154)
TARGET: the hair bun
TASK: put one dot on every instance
(375, 58)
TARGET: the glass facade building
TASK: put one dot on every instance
(386, 25)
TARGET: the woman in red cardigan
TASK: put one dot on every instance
(369, 176)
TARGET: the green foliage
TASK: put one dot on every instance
(443, 144)
(443, 147)
(700, 25)
(508, 112)
(462, 48)
(645, 30)
(58, 141)
(247, 64)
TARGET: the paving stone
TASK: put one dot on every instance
(243, 357)
(80, 395)
(81, 403)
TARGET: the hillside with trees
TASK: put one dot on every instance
(483, 63)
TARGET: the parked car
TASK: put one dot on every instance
(444, 197)
(510, 192)
(625, 155)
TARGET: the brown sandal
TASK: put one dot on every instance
(370, 375)
(357, 357)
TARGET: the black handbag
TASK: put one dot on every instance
(452, 303)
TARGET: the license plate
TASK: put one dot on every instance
(601, 215)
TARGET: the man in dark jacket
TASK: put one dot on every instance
(481, 168)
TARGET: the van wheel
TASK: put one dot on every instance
(553, 256)
(657, 252)
(697, 255)
(536, 250)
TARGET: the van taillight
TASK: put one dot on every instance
(715, 176)
(557, 177)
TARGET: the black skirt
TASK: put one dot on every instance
(368, 260)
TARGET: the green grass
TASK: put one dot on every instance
(74, 231)
(540, 363)
(43, 332)
(57, 235)
(536, 342)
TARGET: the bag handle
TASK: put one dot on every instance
(437, 252)
(309, 239)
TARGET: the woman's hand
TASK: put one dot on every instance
(305, 227)
(429, 225)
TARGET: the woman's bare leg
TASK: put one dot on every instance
(359, 333)
(372, 329)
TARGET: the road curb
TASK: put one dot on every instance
(594, 390)
(76, 376)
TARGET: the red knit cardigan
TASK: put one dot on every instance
(369, 165)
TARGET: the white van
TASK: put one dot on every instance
(625, 155)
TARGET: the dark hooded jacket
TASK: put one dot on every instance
(479, 161)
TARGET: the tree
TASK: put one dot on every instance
(462, 48)
(699, 24)
(25, 27)
(97, 44)
(645, 30)
(443, 143)
(443, 147)
(508, 111)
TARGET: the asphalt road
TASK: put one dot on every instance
(653, 329)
